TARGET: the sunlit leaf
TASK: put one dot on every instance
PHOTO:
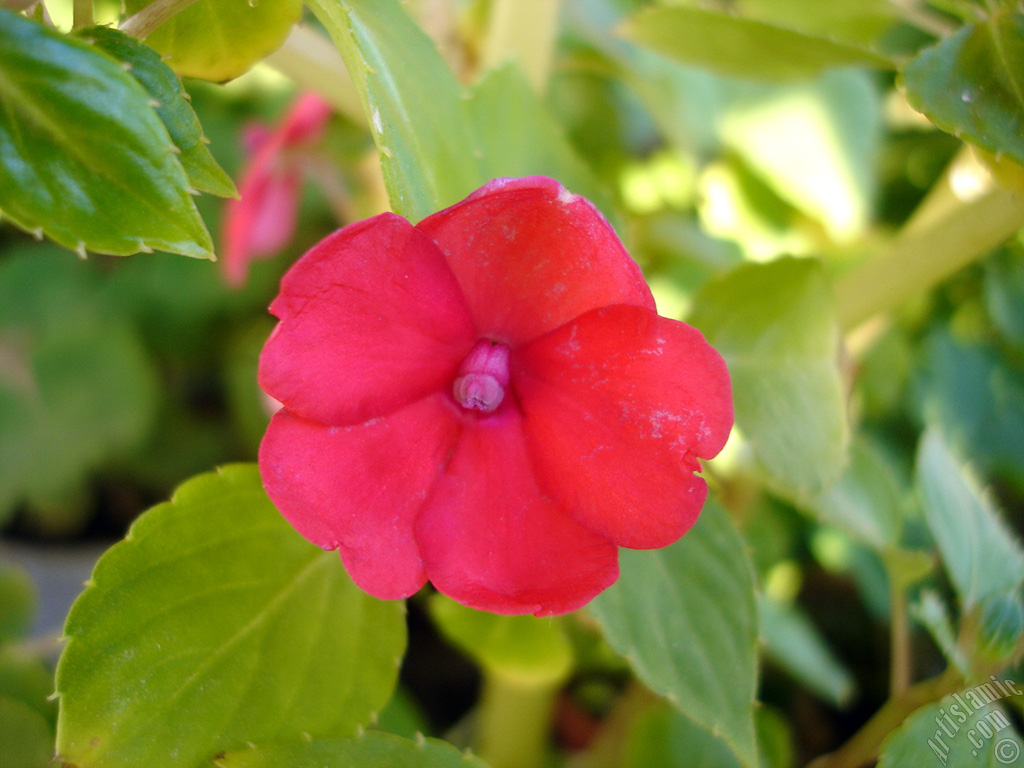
(214, 624)
(686, 620)
(371, 750)
(84, 158)
(730, 45)
(220, 39)
(174, 109)
(972, 84)
(775, 326)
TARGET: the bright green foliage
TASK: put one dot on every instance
(174, 109)
(858, 22)
(972, 84)
(417, 114)
(525, 649)
(775, 326)
(686, 620)
(370, 750)
(981, 556)
(793, 642)
(76, 389)
(26, 740)
(730, 45)
(985, 737)
(220, 39)
(84, 158)
(214, 624)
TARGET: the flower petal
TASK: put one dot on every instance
(492, 541)
(618, 405)
(530, 256)
(371, 320)
(358, 489)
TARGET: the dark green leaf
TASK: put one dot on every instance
(26, 739)
(371, 750)
(794, 643)
(665, 738)
(416, 110)
(166, 90)
(972, 84)
(982, 557)
(686, 620)
(730, 45)
(220, 39)
(775, 326)
(17, 602)
(214, 624)
(84, 158)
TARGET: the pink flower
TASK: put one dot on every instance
(487, 400)
(262, 220)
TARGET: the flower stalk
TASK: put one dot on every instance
(513, 720)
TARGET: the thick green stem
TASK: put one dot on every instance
(899, 650)
(957, 224)
(524, 30)
(143, 23)
(513, 721)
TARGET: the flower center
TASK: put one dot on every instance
(483, 376)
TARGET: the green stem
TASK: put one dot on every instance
(143, 23)
(524, 30)
(950, 230)
(83, 16)
(866, 744)
(513, 721)
(900, 659)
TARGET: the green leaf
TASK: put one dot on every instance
(83, 156)
(26, 739)
(972, 84)
(730, 45)
(686, 620)
(795, 644)
(519, 137)
(77, 387)
(212, 625)
(174, 109)
(416, 110)
(858, 22)
(376, 750)
(775, 325)
(813, 143)
(25, 678)
(866, 502)
(220, 39)
(932, 613)
(17, 602)
(981, 556)
(957, 734)
(525, 649)
(1004, 293)
(663, 737)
